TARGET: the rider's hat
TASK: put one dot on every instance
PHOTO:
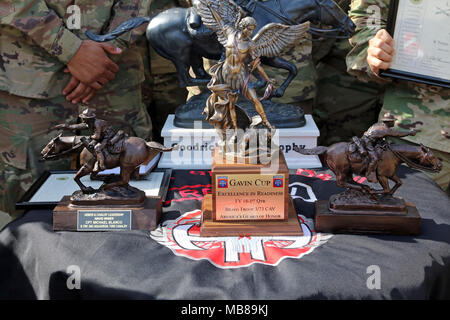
(388, 117)
(87, 114)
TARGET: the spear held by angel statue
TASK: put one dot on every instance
(231, 76)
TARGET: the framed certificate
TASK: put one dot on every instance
(52, 186)
(421, 30)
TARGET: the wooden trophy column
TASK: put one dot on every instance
(249, 200)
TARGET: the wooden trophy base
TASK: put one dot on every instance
(368, 221)
(210, 228)
(103, 217)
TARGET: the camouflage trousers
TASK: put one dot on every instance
(441, 178)
(166, 97)
(24, 131)
(344, 107)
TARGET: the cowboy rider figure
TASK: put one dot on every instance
(103, 135)
(372, 139)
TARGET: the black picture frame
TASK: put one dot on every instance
(404, 75)
(25, 202)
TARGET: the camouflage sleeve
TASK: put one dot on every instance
(369, 16)
(42, 25)
(125, 10)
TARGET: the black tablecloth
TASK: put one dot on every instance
(34, 260)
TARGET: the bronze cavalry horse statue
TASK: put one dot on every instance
(135, 151)
(344, 164)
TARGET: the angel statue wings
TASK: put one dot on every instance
(232, 75)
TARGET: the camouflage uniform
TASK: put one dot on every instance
(165, 92)
(415, 106)
(36, 44)
(343, 107)
(302, 89)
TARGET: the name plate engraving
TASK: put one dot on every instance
(250, 197)
(103, 220)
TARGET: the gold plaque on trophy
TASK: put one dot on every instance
(250, 197)
(249, 200)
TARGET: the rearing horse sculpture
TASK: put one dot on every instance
(178, 34)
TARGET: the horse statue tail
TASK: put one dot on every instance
(311, 152)
(159, 147)
(121, 29)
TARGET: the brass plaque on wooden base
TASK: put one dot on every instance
(210, 228)
(246, 191)
(406, 222)
(249, 199)
(144, 216)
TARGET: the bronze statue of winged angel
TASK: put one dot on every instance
(231, 77)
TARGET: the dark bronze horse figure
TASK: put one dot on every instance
(344, 165)
(135, 152)
(178, 35)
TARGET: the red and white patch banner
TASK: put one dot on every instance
(182, 236)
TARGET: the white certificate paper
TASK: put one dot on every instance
(422, 38)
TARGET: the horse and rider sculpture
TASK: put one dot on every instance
(104, 149)
(375, 158)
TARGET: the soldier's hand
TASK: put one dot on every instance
(82, 93)
(380, 53)
(91, 64)
(412, 132)
(76, 91)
